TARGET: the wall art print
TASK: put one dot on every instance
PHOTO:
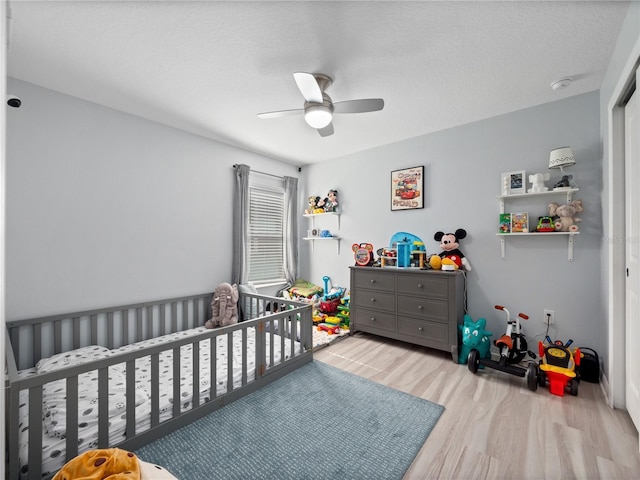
(407, 188)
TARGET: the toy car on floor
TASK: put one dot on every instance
(557, 367)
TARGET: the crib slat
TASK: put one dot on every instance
(76, 332)
(260, 349)
(196, 313)
(130, 392)
(37, 342)
(15, 344)
(138, 325)
(294, 333)
(150, 332)
(196, 374)
(163, 327)
(229, 362)
(176, 382)
(103, 407)
(35, 429)
(271, 345)
(94, 329)
(72, 417)
(174, 317)
(244, 356)
(57, 336)
(125, 326)
(185, 314)
(155, 389)
(213, 360)
(285, 328)
(13, 442)
(110, 340)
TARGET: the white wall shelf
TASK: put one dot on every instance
(313, 216)
(313, 241)
(503, 236)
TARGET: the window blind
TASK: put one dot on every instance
(266, 234)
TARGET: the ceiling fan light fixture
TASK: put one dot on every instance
(318, 116)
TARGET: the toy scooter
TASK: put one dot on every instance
(512, 345)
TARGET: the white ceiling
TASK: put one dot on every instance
(210, 67)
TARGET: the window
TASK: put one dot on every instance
(266, 231)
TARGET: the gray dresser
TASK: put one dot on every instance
(423, 307)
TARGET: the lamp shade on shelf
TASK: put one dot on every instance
(561, 157)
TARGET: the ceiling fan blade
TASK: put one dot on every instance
(359, 106)
(281, 113)
(309, 87)
(326, 131)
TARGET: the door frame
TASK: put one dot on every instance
(614, 384)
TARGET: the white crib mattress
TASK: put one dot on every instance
(54, 416)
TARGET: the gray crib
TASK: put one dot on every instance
(281, 330)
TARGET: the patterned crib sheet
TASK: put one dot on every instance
(54, 395)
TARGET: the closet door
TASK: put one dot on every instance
(632, 253)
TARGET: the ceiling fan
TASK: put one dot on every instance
(318, 106)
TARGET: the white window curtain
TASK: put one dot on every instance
(265, 228)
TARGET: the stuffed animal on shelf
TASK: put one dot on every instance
(313, 205)
(474, 337)
(224, 306)
(331, 202)
(451, 258)
(564, 215)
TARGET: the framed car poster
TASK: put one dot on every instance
(407, 188)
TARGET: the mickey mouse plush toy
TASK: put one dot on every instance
(450, 258)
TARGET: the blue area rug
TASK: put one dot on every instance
(318, 422)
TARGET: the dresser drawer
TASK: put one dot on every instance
(376, 300)
(374, 280)
(428, 285)
(426, 308)
(375, 319)
(423, 329)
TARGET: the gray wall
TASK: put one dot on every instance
(463, 167)
(105, 208)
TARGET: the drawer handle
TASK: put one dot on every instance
(420, 329)
(420, 285)
(373, 300)
(373, 319)
(372, 281)
(420, 307)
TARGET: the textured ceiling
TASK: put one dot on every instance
(210, 67)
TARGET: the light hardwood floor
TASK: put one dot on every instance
(493, 426)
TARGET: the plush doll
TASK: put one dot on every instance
(224, 306)
(313, 205)
(564, 215)
(474, 337)
(331, 202)
(450, 258)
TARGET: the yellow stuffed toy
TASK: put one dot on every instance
(110, 464)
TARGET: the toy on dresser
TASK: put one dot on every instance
(451, 258)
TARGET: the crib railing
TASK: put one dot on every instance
(275, 320)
